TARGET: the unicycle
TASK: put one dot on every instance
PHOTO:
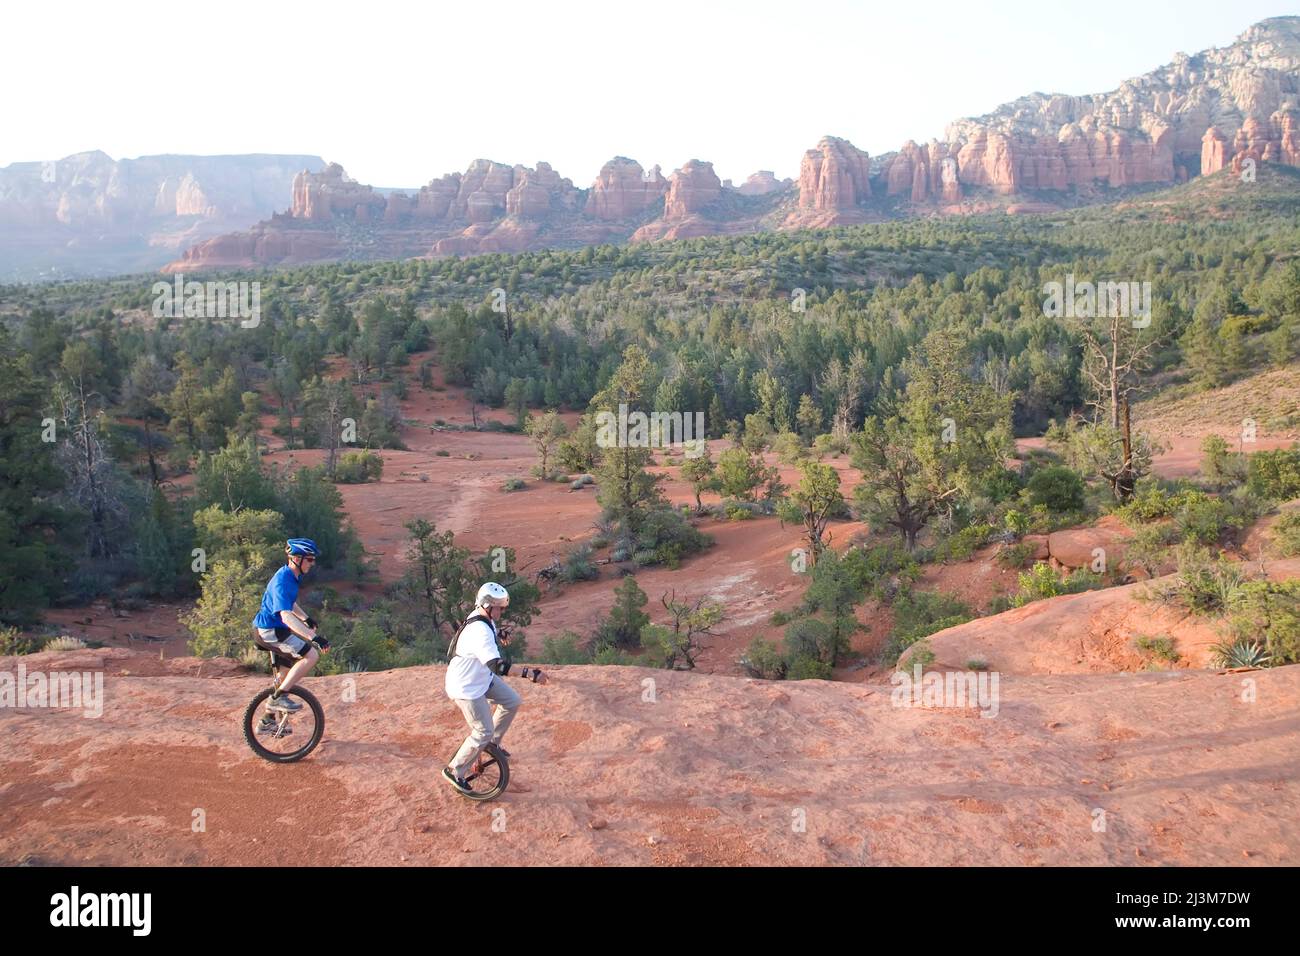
(489, 776)
(279, 736)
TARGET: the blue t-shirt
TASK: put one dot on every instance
(280, 595)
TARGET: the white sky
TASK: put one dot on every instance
(402, 92)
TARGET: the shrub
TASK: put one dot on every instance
(1057, 488)
(977, 664)
(513, 484)
(1016, 522)
(805, 667)
(1041, 582)
(1150, 503)
(1219, 465)
(14, 642)
(960, 546)
(1275, 474)
(64, 643)
(1286, 533)
(669, 536)
(1204, 520)
(917, 615)
(1014, 556)
(610, 655)
(1204, 585)
(1269, 610)
(763, 660)
(810, 637)
(789, 448)
(358, 467)
(1148, 549)
(578, 566)
(830, 445)
(1161, 647)
(921, 653)
(562, 649)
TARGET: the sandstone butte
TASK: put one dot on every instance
(1195, 116)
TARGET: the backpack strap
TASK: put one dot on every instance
(451, 649)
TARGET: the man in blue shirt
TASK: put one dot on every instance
(284, 628)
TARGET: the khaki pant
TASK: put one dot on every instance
(484, 725)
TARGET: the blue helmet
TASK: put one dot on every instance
(302, 546)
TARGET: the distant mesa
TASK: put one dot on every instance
(91, 215)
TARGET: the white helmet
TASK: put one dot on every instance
(492, 595)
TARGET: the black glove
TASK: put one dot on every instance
(323, 644)
(310, 622)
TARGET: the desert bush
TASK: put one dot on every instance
(1286, 533)
(789, 448)
(1268, 610)
(805, 667)
(763, 660)
(920, 653)
(917, 615)
(963, 544)
(1205, 520)
(1204, 585)
(1275, 474)
(1013, 556)
(1161, 648)
(1220, 466)
(1148, 548)
(810, 637)
(1057, 488)
(830, 445)
(1041, 582)
(610, 655)
(668, 536)
(358, 467)
(64, 643)
(513, 484)
(14, 642)
(577, 565)
(563, 648)
(1016, 522)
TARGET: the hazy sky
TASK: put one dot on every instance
(400, 93)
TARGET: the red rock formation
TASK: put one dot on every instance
(1214, 151)
(762, 183)
(318, 197)
(691, 189)
(623, 190)
(834, 176)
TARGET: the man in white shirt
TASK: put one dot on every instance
(474, 678)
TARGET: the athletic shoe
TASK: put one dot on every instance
(283, 703)
(270, 725)
(455, 781)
